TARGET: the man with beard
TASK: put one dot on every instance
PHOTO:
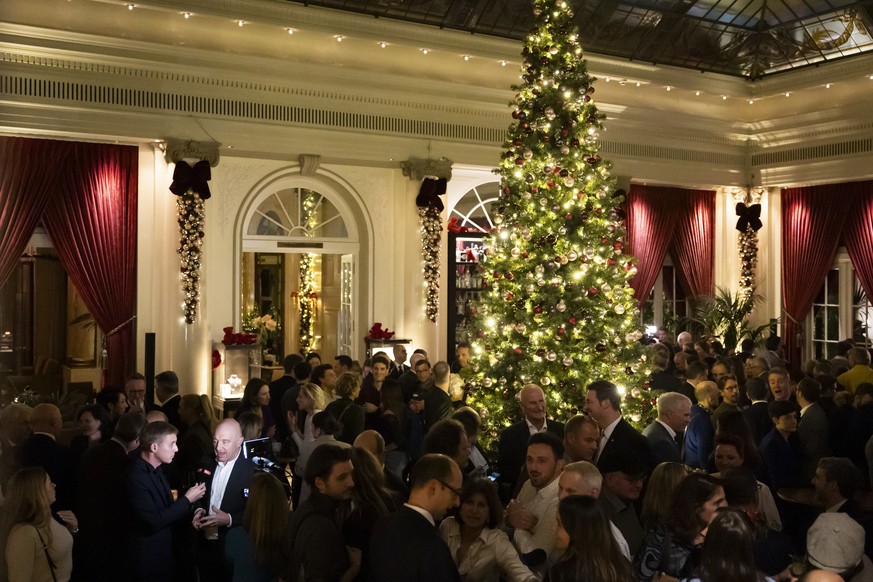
(532, 514)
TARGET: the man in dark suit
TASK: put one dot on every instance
(836, 481)
(700, 434)
(314, 540)
(437, 402)
(813, 427)
(224, 505)
(167, 391)
(102, 502)
(666, 432)
(661, 380)
(756, 415)
(41, 449)
(153, 510)
(405, 546)
(512, 448)
(278, 388)
(398, 365)
(603, 404)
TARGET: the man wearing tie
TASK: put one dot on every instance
(603, 404)
(666, 432)
(153, 508)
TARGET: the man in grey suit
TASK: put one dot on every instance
(667, 431)
(813, 426)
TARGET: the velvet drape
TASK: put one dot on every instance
(28, 169)
(858, 236)
(86, 196)
(682, 221)
(813, 219)
(693, 243)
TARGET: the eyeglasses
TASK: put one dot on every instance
(457, 492)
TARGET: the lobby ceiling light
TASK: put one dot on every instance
(186, 15)
(241, 23)
(290, 30)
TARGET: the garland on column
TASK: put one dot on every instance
(189, 184)
(307, 297)
(430, 209)
(749, 224)
(431, 233)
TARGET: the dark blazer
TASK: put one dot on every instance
(153, 512)
(662, 447)
(512, 449)
(171, 409)
(699, 437)
(626, 438)
(813, 431)
(350, 415)
(437, 406)
(59, 461)
(759, 421)
(782, 459)
(405, 547)
(234, 500)
(664, 381)
(103, 512)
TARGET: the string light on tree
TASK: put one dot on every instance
(307, 297)
(559, 312)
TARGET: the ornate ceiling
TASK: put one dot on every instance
(743, 38)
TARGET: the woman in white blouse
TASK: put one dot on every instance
(310, 400)
(482, 552)
(37, 548)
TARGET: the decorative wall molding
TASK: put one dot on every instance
(309, 164)
(178, 150)
(417, 169)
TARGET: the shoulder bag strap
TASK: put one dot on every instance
(48, 558)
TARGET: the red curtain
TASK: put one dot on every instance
(812, 223)
(92, 222)
(650, 226)
(858, 236)
(27, 179)
(662, 218)
(693, 244)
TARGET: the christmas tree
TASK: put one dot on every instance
(560, 312)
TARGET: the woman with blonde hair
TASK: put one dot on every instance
(254, 549)
(309, 401)
(659, 492)
(37, 548)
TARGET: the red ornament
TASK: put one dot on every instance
(617, 246)
(509, 296)
(568, 217)
(562, 331)
(593, 290)
(524, 254)
(572, 321)
(538, 309)
(603, 241)
(518, 351)
(519, 161)
(550, 184)
(498, 276)
(610, 262)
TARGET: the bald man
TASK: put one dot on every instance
(41, 449)
(223, 507)
(373, 442)
(513, 441)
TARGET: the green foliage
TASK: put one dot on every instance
(724, 317)
(560, 312)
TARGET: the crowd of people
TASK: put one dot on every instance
(750, 472)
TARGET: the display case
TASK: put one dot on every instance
(238, 364)
(466, 282)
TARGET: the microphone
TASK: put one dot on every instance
(264, 462)
(202, 474)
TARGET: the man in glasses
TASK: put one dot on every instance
(405, 545)
(532, 514)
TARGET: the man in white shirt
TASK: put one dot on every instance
(533, 513)
(226, 479)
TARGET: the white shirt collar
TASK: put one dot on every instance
(533, 429)
(665, 425)
(423, 512)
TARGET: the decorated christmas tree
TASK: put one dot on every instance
(560, 312)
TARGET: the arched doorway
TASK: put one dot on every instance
(303, 244)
